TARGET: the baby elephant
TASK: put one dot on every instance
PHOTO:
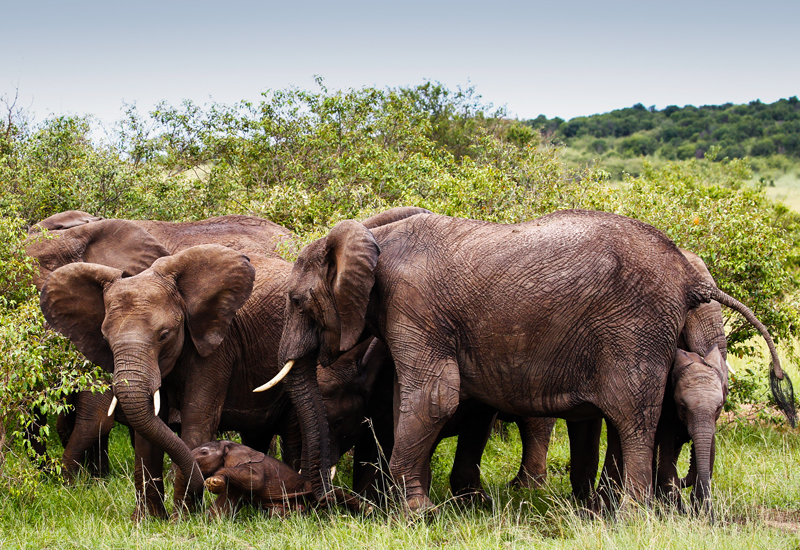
(700, 387)
(241, 475)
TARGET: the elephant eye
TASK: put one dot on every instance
(296, 301)
(163, 335)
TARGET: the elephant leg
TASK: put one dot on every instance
(33, 434)
(200, 418)
(667, 483)
(636, 441)
(88, 441)
(584, 451)
(474, 429)
(425, 406)
(611, 477)
(149, 480)
(535, 434)
(371, 476)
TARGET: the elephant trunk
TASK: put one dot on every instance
(703, 459)
(301, 383)
(135, 387)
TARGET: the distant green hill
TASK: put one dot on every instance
(623, 140)
(675, 133)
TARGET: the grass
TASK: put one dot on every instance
(756, 483)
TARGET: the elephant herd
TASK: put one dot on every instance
(429, 326)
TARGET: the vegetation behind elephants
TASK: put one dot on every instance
(309, 159)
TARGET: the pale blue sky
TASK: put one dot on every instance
(557, 58)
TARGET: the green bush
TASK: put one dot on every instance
(37, 366)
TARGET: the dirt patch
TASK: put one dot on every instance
(785, 520)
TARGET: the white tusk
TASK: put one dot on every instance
(112, 406)
(730, 369)
(157, 401)
(280, 376)
(333, 471)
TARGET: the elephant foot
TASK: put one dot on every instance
(420, 505)
(475, 497)
(525, 481)
(151, 509)
(216, 484)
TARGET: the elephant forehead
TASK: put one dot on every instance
(143, 294)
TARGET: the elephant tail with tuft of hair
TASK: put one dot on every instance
(780, 383)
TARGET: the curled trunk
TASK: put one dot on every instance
(134, 388)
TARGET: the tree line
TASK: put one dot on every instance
(679, 133)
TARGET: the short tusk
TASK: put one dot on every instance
(157, 401)
(112, 406)
(333, 471)
(730, 369)
(280, 376)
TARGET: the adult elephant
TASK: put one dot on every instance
(574, 315)
(197, 327)
(703, 330)
(131, 246)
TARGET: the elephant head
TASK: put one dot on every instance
(136, 327)
(700, 388)
(326, 315)
(120, 244)
(214, 455)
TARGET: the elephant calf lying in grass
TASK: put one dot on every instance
(241, 475)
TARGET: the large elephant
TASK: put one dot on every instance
(81, 237)
(703, 330)
(574, 315)
(198, 327)
(131, 246)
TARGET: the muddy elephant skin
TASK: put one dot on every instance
(574, 315)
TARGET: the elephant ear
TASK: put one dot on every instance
(214, 281)
(72, 302)
(682, 361)
(352, 254)
(715, 360)
(120, 244)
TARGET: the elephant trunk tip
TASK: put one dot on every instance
(783, 392)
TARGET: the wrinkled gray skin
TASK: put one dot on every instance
(203, 326)
(132, 246)
(696, 392)
(241, 349)
(576, 314)
(358, 393)
(123, 244)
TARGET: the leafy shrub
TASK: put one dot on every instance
(37, 366)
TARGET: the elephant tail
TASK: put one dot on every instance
(780, 384)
